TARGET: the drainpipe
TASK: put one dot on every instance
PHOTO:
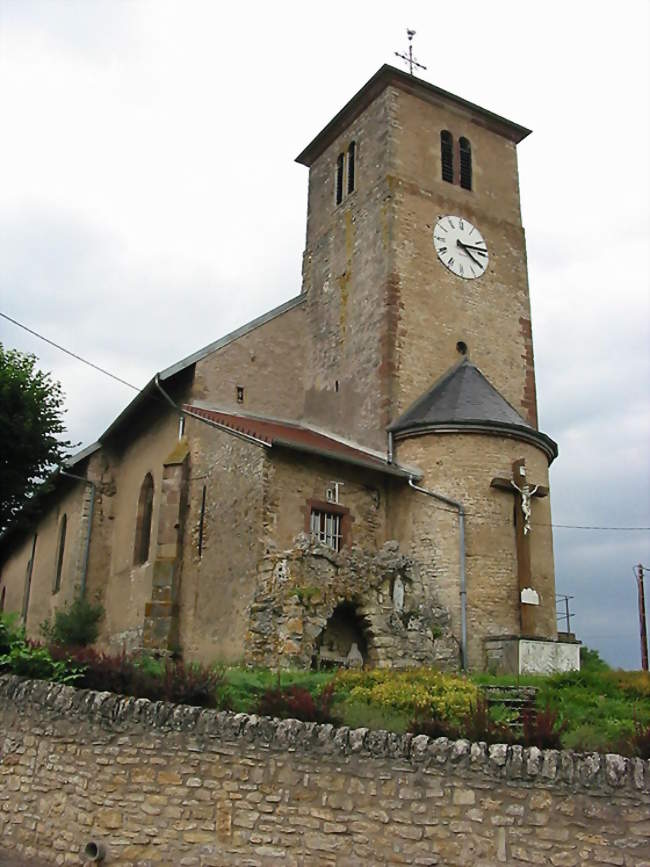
(166, 396)
(463, 588)
(91, 512)
(389, 449)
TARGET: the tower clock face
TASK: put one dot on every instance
(460, 247)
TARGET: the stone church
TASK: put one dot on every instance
(357, 475)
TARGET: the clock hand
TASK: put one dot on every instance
(471, 247)
(467, 253)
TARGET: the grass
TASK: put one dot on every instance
(245, 686)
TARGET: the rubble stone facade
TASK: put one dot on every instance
(299, 590)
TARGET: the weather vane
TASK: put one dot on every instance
(408, 58)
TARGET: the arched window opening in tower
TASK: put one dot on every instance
(143, 522)
(447, 155)
(340, 166)
(352, 150)
(465, 149)
(60, 550)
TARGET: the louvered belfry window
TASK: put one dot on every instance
(351, 167)
(465, 149)
(447, 155)
(340, 166)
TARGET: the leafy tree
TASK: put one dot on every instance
(31, 421)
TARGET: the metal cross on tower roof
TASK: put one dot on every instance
(408, 58)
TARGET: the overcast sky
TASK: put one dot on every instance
(149, 203)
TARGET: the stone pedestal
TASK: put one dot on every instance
(512, 654)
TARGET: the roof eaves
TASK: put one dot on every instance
(520, 432)
(233, 335)
(81, 455)
(288, 422)
(331, 454)
(128, 409)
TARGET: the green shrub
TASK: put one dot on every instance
(74, 626)
(243, 687)
(28, 659)
(591, 660)
(11, 631)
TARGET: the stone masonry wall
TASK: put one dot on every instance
(169, 785)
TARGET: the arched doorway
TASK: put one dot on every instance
(343, 640)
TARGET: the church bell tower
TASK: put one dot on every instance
(415, 281)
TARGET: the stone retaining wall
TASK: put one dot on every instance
(170, 785)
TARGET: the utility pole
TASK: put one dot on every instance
(638, 571)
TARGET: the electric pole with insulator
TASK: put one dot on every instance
(638, 571)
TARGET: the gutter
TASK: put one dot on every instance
(91, 512)
(463, 584)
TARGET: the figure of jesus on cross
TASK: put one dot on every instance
(524, 493)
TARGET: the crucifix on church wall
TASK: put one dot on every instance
(524, 493)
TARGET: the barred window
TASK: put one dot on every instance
(326, 528)
(465, 163)
(447, 155)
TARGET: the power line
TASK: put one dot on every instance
(135, 388)
(587, 527)
(69, 352)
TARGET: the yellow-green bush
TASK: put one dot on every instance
(633, 683)
(414, 691)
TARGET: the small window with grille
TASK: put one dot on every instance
(326, 528)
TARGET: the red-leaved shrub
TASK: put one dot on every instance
(172, 681)
(296, 702)
(476, 725)
(541, 728)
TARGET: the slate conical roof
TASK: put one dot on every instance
(463, 400)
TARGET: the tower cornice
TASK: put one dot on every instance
(391, 76)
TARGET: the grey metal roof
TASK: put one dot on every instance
(233, 335)
(464, 400)
(79, 456)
